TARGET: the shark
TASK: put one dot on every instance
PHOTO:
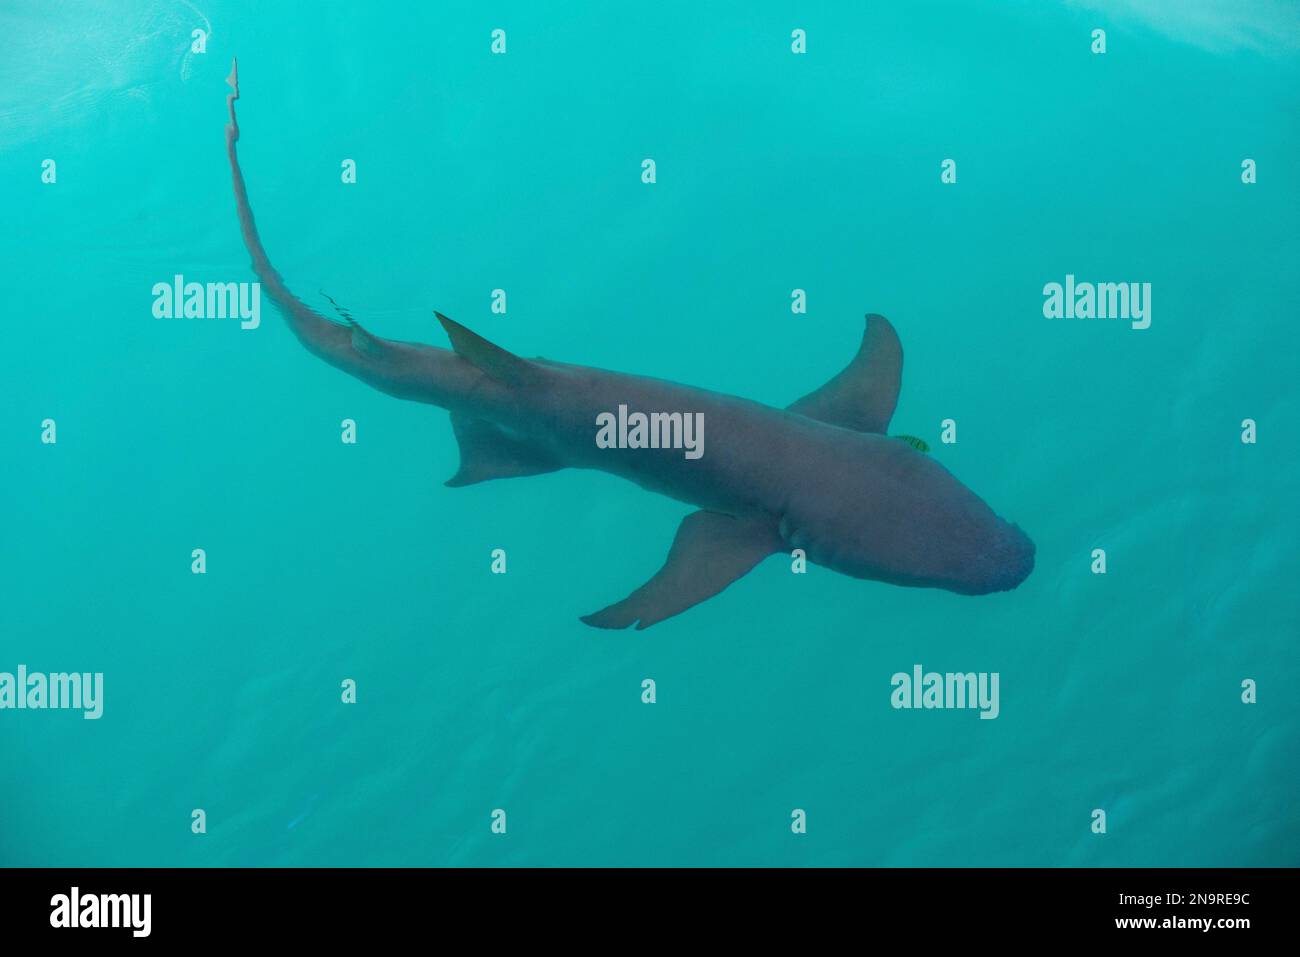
(822, 476)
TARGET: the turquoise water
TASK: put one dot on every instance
(775, 171)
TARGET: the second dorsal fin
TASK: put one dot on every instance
(862, 396)
(491, 359)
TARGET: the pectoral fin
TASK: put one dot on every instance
(489, 452)
(710, 552)
(862, 396)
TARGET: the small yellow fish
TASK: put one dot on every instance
(918, 444)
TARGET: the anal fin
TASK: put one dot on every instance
(710, 552)
(488, 451)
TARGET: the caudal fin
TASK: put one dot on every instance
(406, 370)
(330, 340)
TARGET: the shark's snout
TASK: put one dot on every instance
(1006, 562)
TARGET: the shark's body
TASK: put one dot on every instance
(820, 476)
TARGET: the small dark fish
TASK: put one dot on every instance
(919, 444)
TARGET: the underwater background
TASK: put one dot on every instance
(776, 171)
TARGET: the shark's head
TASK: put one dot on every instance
(877, 507)
(901, 517)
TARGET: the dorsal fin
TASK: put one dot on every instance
(862, 397)
(491, 359)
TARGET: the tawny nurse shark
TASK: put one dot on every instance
(821, 475)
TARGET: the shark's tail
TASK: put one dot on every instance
(330, 340)
(402, 369)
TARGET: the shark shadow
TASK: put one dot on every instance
(820, 475)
